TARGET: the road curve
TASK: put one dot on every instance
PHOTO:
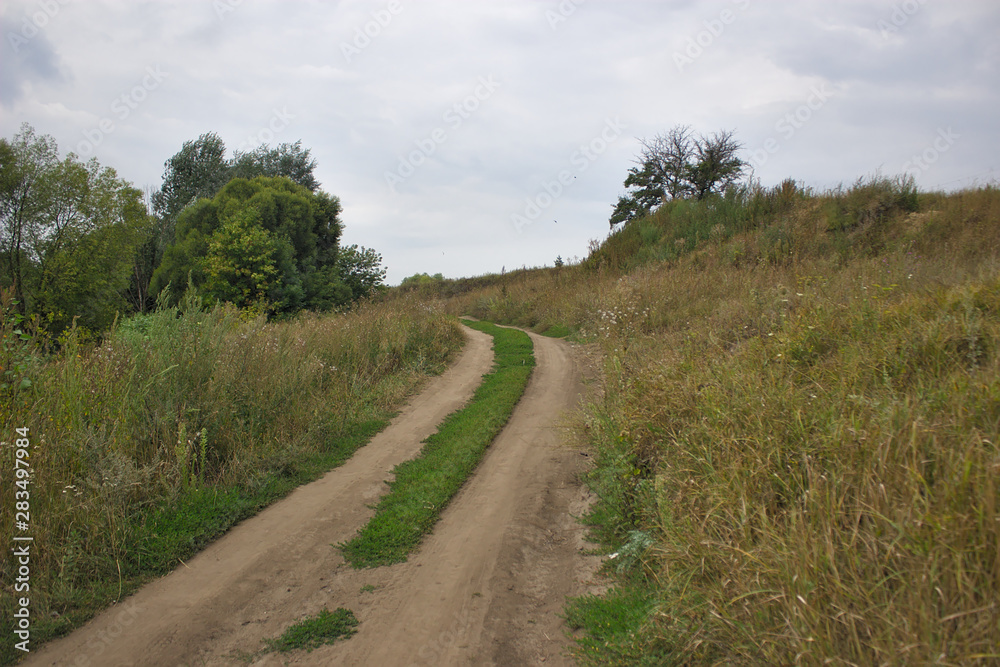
(486, 586)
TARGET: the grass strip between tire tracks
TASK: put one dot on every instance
(424, 485)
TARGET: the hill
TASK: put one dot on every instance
(795, 438)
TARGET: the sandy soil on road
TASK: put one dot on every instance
(486, 587)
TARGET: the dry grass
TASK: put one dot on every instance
(797, 447)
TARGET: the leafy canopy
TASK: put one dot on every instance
(200, 169)
(266, 239)
(68, 233)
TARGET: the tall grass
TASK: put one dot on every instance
(796, 445)
(184, 421)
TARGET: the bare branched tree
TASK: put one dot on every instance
(677, 165)
(669, 156)
(716, 165)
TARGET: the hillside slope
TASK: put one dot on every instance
(796, 452)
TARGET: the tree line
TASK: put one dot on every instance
(78, 244)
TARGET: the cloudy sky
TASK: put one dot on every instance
(464, 137)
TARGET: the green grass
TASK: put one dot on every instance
(187, 524)
(557, 331)
(309, 633)
(424, 485)
(610, 623)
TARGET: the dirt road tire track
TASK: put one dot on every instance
(485, 588)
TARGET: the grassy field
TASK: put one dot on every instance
(796, 445)
(180, 424)
(423, 486)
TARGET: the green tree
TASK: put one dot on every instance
(716, 164)
(647, 193)
(24, 163)
(200, 169)
(677, 165)
(289, 160)
(70, 232)
(361, 270)
(240, 263)
(301, 241)
(418, 279)
(197, 171)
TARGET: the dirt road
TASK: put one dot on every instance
(486, 587)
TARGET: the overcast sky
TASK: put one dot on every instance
(463, 137)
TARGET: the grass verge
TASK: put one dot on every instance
(309, 633)
(424, 485)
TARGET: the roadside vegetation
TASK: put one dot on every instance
(796, 434)
(162, 405)
(423, 486)
(183, 422)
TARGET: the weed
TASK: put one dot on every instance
(310, 633)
